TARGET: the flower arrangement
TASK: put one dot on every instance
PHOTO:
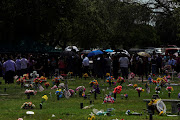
(110, 80)
(154, 81)
(120, 80)
(43, 78)
(69, 75)
(37, 81)
(93, 82)
(131, 75)
(56, 80)
(20, 81)
(126, 96)
(71, 92)
(27, 105)
(26, 76)
(150, 79)
(107, 74)
(117, 89)
(46, 84)
(30, 92)
(80, 89)
(85, 75)
(157, 89)
(59, 93)
(91, 116)
(139, 90)
(108, 99)
(135, 85)
(169, 89)
(44, 98)
(159, 79)
(96, 88)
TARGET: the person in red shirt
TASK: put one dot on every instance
(61, 65)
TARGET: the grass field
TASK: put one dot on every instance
(69, 109)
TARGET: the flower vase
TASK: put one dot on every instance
(40, 105)
(139, 94)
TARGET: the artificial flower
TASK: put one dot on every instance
(117, 89)
(45, 97)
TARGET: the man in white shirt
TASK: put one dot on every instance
(124, 63)
(9, 67)
(85, 64)
(24, 63)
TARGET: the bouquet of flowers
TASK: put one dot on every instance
(154, 81)
(150, 79)
(85, 75)
(59, 93)
(71, 92)
(56, 80)
(135, 85)
(28, 105)
(131, 75)
(20, 81)
(93, 82)
(44, 98)
(96, 88)
(108, 99)
(159, 79)
(157, 89)
(126, 96)
(47, 84)
(169, 89)
(37, 81)
(117, 89)
(110, 80)
(26, 76)
(30, 92)
(120, 80)
(80, 89)
(139, 90)
(43, 78)
(107, 74)
(69, 75)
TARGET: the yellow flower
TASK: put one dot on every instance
(135, 85)
(45, 97)
(172, 89)
(85, 75)
(161, 113)
(107, 74)
(143, 90)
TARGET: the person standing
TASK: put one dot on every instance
(124, 63)
(18, 66)
(9, 67)
(24, 63)
(85, 64)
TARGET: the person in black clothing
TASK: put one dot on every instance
(159, 64)
(115, 67)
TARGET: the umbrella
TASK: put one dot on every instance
(109, 50)
(144, 54)
(96, 52)
(86, 51)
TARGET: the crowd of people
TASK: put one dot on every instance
(96, 66)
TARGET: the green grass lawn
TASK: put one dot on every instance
(69, 109)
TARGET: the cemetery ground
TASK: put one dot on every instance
(69, 109)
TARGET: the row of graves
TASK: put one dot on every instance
(33, 83)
